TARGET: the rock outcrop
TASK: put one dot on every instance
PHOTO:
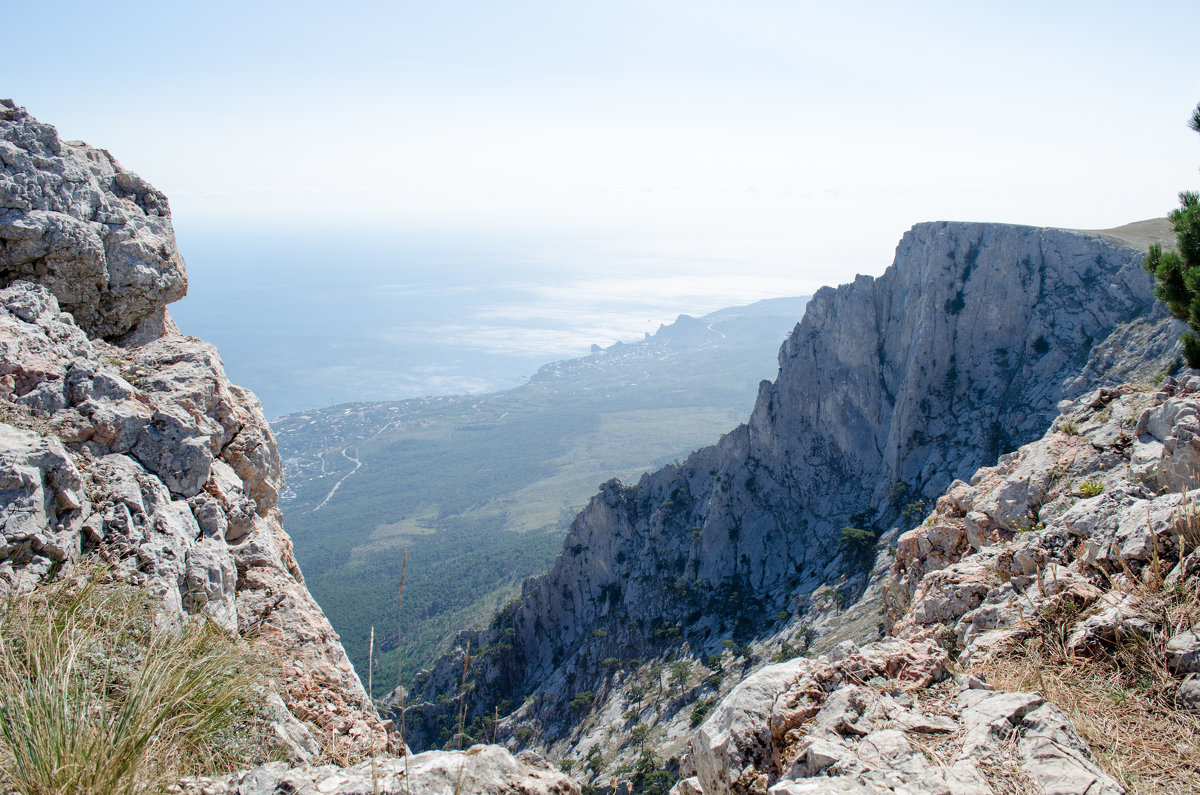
(122, 438)
(1085, 542)
(97, 236)
(888, 718)
(888, 390)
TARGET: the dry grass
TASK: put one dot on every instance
(1121, 698)
(96, 697)
(1004, 773)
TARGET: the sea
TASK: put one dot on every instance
(308, 317)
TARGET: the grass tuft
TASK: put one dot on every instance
(96, 696)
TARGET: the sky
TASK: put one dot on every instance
(751, 148)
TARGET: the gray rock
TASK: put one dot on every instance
(737, 733)
(687, 786)
(850, 710)
(988, 718)
(479, 769)
(1057, 758)
(42, 506)
(1116, 617)
(98, 236)
(837, 785)
(925, 724)
(819, 755)
(1183, 652)
(1188, 696)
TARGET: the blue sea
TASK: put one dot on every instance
(315, 317)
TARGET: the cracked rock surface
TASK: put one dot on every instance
(97, 236)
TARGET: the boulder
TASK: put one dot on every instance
(737, 734)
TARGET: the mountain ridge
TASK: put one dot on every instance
(911, 378)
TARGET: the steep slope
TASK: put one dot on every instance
(478, 490)
(888, 389)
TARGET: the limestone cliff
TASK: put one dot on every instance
(1042, 634)
(123, 438)
(888, 389)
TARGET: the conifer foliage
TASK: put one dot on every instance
(1178, 272)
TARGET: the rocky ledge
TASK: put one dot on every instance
(97, 236)
(1069, 571)
(479, 769)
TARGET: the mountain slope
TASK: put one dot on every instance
(479, 489)
(888, 389)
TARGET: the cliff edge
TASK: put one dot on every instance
(122, 440)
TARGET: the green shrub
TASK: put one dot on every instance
(1091, 488)
(856, 542)
(681, 671)
(582, 700)
(700, 711)
(649, 778)
(595, 761)
(914, 511)
(96, 697)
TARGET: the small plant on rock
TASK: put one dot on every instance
(856, 543)
(700, 711)
(582, 700)
(1091, 488)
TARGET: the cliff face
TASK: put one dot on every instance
(888, 389)
(123, 438)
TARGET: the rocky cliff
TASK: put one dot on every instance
(888, 390)
(1042, 633)
(123, 440)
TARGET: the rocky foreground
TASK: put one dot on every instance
(1078, 551)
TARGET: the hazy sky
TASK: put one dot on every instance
(771, 137)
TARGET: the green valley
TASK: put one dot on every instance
(478, 490)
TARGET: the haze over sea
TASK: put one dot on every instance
(306, 319)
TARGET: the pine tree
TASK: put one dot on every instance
(1178, 272)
